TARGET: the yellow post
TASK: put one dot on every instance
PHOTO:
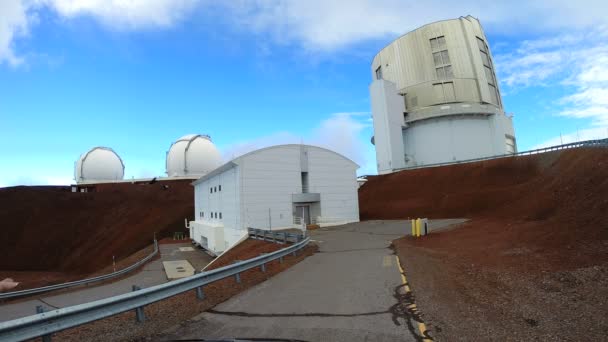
(414, 228)
(417, 227)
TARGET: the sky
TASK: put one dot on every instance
(136, 75)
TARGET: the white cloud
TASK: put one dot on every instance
(16, 17)
(121, 14)
(315, 25)
(328, 25)
(341, 132)
(14, 22)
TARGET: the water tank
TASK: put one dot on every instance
(99, 164)
(192, 155)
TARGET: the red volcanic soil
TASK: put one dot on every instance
(48, 228)
(532, 263)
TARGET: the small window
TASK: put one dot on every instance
(379, 73)
(202, 214)
(441, 42)
(445, 57)
(434, 44)
(440, 73)
(437, 58)
(220, 188)
(220, 216)
(210, 190)
(215, 189)
(481, 44)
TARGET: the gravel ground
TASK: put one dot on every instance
(169, 314)
(464, 301)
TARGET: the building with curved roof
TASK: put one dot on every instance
(435, 98)
(277, 187)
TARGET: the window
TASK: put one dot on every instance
(202, 214)
(510, 144)
(220, 216)
(441, 58)
(210, 190)
(215, 189)
(489, 71)
(379, 73)
(220, 188)
(444, 92)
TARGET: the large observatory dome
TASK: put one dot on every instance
(99, 164)
(192, 155)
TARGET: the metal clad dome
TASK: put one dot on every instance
(99, 164)
(192, 155)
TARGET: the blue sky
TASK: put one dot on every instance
(136, 75)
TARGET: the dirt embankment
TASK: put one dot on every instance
(50, 229)
(533, 261)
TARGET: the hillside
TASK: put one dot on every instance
(51, 229)
(534, 251)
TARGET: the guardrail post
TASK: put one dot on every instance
(139, 312)
(284, 238)
(199, 293)
(237, 277)
(263, 266)
(280, 260)
(274, 237)
(294, 253)
(39, 310)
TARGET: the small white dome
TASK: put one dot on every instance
(99, 164)
(192, 155)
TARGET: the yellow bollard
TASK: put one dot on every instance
(417, 227)
(414, 228)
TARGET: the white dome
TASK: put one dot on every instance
(99, 164)
(192, 155)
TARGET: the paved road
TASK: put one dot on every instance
(349, 291)
(152, 274)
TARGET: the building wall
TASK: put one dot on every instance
(269, 178)
(220, 232)
(335, 178)
(387, 110)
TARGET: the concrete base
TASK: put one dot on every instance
(178, 269)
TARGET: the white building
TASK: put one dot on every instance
(435, 98)
(273, 188)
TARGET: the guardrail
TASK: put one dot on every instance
(587, 143)
(46, 323)
(21, 293)
(274, 236)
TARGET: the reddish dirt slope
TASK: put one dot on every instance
(551, 185)
(532, 262)
(52, 229)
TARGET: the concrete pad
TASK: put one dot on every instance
(186, 249)
(178, 269)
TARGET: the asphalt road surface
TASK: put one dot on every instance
(350, 291)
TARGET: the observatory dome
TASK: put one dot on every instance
(192, 155)
(99, 164)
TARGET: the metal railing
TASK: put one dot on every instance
(83, 281)
(46, 323)
(274, 236)
(587, 143)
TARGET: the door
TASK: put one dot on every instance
(303, 211)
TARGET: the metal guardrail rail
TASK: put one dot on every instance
(83, 281)
(274, 236)
(46, 323)
(587, 143)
